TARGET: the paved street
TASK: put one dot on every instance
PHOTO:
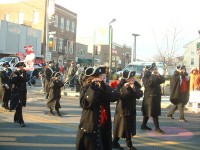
(46, 132)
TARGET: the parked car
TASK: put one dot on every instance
(10, 59)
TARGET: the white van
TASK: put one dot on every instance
(138, 67)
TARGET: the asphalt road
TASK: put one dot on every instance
(44, 132)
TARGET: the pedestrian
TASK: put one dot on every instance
(124, 125)
(42, 76)
(18, 80)
(55, 93)
(179, 92)
(47, 75)
(194, 89)
(94, 130)
(70, 77)
(6, 72)
(151, 104)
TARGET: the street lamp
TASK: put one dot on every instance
(110, 43)
(133, 56)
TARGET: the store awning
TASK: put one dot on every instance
(84, 61)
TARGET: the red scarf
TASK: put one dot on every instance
(104, 116)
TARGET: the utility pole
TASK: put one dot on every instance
(133, 56)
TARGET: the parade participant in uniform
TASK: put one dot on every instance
(179, 89)
(18, 81)
(47, 75)
(124, 125)
(6, 84)
(95, 124)
(151, 104)
(55, 93)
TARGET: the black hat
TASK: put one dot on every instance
(99, 70)
(55, 74)
(21, 63)
(180, 67)
(128, 74)
(50, 62)
(88, 71)
(149, 67)
(6, 64)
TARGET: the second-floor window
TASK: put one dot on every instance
(62, 23)
(35, 17)
(56, 21)
(7, 17)
(66, 46)
(54, 43)
(67, 25)
(60, 47)
(73, 27)
(192, 61)
(192, 52)
(71, 48)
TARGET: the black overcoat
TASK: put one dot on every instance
(54, 94)
(47, 74)
(125, 114)
(174, 90)
(151, 104)
(91, 135)
(19, 91)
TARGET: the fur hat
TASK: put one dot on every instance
(98, 71)
(6, 64)
(21, 63)
(128, 74)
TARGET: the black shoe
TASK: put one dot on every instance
(132, 148)
(117, 146)
(22, 124)
(51, 113)
(16, 121)
(183, 120)
(145, 128)
(159, 131)
(170, 116)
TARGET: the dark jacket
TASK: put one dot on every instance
(47, 74)
(91, 134)
(174, 90)
(18, 80)
(54, 94)
(151, 104)
(125, 113)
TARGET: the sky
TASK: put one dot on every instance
(151, 19)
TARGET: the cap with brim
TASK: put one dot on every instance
(6, 64)
(18, 64)
(128, 74)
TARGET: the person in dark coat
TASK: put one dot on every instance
(151, 104)
(18, 99)
(179, 89)
(125, 113)
(47, 75)
(55, 93)
(6, 72)
(94, 130)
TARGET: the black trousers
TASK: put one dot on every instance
(18, 117)
(155, 121)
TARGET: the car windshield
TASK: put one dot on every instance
(5, 59)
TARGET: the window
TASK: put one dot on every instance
(67, 25)
(54, 43)
(71, 48)
(62, 24)
(21, 18)
(192, 61)
(60, 48)
(56, 21)
(7, 17)
(192, 52)
(35, 17)
(73, 26)
(66, 46)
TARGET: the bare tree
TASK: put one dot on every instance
(168, 46)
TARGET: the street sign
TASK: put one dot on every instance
(52, 32)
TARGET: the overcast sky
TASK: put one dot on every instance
(149, 18)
